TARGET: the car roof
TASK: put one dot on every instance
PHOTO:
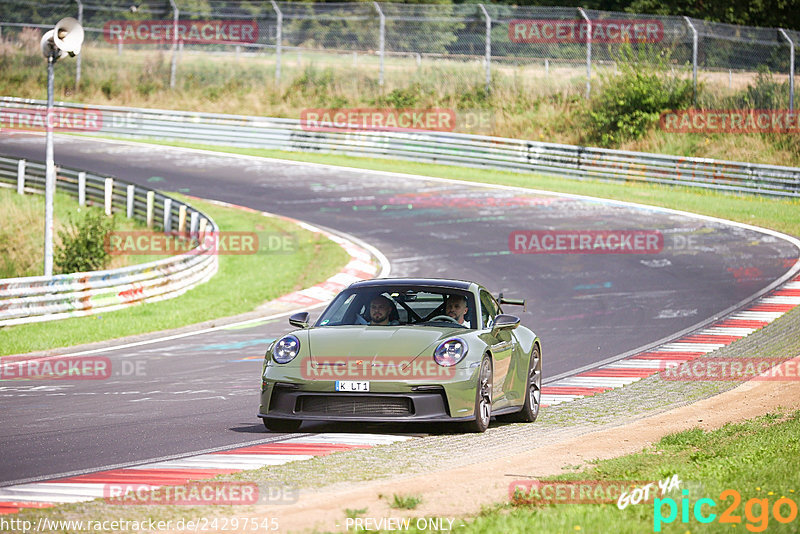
(417, 282)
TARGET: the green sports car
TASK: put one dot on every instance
(404, 350)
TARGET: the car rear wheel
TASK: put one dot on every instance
(282, 425)
(483, 398)
(533, 392)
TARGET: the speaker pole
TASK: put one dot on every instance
(50, 171)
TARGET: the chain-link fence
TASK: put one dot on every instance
(469, 47)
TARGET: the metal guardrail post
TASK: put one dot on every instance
(78, 59)
(791, 68)
(109, 194)
(694, 57)
(278, 41)
(130, 200)
(382, 42)
(488, 48)
(81, 188)
(167, 215)
(174, 65)
(588, 51)
(151, 201)
(182, 219)
(21, 177)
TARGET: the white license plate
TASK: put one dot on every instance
(346, 385)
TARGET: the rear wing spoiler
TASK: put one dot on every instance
(513, 302)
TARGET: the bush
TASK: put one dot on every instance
(766, 93)
(628, 104)
(82, 245)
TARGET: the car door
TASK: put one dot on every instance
(502, 346)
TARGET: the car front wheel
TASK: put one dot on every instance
(533, 392)
(282, 425)
(483, 397)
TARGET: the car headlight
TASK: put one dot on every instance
(450, 352)
(285, 349)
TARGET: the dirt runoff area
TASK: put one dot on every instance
(451, 495)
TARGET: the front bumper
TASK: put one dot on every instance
(367, 407)
(284, 395)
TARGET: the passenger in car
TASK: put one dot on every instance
(456, 307)
(380, 311)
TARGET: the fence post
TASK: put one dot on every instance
(81, 188)
(588, 51)
(182, 218)
(694, 57)
(109, 193)
(21, 177)
(382, 43)
(78, 59)
(130, 199)
(488, 47)
(151, 201)
(167, 215)
(278, 41)
(791, 68)
(174, 66)
(193, 221)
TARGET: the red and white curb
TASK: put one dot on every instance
(92, 486)
(691, 346)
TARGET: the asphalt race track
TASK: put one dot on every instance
(201, 392)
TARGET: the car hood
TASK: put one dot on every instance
(376, 343)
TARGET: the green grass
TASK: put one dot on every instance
(760, 459)
(242, 283)
(352, 513)
(778, 214)
(22, 232)
(524, 103)
(403, 502)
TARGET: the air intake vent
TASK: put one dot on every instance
(355, 405)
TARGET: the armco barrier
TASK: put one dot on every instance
(42, 298)
(440, 147)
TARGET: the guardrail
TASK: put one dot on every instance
(43, 298)
(434, 147)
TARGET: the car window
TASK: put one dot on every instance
(410, 306)
(489, 309)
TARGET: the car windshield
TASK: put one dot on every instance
(401, 306)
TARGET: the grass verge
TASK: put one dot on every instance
(22, 232)
(777, 214)
(758, 459)
(242, 283)
(711, 459)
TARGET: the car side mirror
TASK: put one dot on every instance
(300, 320)
(505, 322)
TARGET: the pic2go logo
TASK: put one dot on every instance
(756, 511)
